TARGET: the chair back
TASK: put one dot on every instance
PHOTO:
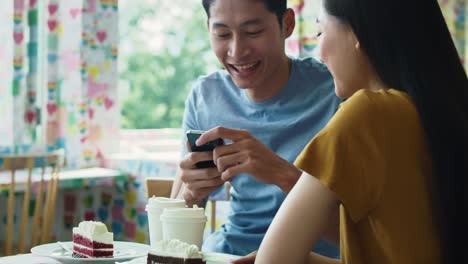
(44, 205)
(159, 187)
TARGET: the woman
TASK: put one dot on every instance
(393, 159)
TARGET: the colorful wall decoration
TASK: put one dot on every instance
(303, 41)
(78, 85)
(117, 201)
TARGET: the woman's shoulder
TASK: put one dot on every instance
(372, 98)
(369, 102)
(367, 108)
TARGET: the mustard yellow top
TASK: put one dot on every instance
(373, 156)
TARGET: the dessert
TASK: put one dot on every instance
(174, 252)
(92, 240)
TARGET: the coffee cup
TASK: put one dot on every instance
(185, 224)
(155, 208)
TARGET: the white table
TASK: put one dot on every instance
(33, 259)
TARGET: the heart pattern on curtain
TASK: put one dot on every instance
(78, 110)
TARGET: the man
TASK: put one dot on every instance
(280, 103)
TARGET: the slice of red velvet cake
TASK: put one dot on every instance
(92, 240)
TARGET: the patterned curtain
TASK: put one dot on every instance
(82, 115)
(31, 111)
(6, 72)
(18, 76)
(77, 88)
(303, 41)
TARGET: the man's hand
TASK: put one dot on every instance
(198, 183)
(248, 259)
(246, 154)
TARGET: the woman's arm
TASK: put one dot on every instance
(316, 258)
(301, 220)
(332, 232)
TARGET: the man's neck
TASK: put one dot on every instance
(275, 84)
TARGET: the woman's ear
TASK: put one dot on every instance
(354, 39)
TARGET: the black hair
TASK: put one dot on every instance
(411, 49)
(278, 7)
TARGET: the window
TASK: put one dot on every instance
(164, 47)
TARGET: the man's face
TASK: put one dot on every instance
(248, 41)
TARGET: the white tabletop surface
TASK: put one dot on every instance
(212, 258)
(33, 259)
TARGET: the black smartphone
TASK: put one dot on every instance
(192, 136)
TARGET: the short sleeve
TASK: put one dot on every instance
(346, 156)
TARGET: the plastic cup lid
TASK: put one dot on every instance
(162, 202)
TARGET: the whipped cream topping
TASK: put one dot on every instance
(175, 248)
(95, 231)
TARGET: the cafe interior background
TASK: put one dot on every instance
(105, 81)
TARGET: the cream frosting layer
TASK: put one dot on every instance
(175, 248)
(95, 231)
(96, 249)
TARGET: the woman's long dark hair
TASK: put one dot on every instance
(410, 47)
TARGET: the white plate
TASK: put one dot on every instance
(125, 251)
(210, 258)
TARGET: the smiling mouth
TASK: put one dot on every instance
(244, 67)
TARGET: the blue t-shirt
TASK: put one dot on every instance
(285, 123)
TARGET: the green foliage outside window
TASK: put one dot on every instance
(165, 47)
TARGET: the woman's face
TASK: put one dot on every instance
(339, 50)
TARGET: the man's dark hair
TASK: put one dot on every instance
(278, 7)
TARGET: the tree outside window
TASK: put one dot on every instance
(164, 48)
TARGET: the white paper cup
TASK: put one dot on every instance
(185, 224)
(155, 208)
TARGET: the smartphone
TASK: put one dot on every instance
(192, 136)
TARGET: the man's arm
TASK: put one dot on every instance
(176, 191)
